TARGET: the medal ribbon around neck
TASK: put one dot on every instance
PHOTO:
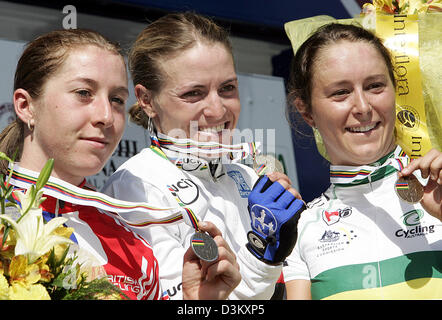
(350, 175)
(235, 152)
(136, 214)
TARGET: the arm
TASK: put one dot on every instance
(165, 240)
(298, 290)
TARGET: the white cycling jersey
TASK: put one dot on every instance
(215, 193)
(359, 240)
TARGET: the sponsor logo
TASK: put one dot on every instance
(263, 220)
(243, 188)
(332, 217)
(413, 219)
(185, 190)
(414, 232)
(333, 241)
(256, 241)
(170, 292)
(409, 117)
(189, 164)
(330, 236)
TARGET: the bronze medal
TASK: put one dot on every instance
(265, 163)
(409, 189)
(204, 246)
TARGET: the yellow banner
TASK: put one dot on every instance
(400, 33)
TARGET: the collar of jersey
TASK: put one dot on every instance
(348, 176)
(187, 162)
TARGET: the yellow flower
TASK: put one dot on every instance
(403, 6)
(19, 291)
(4, 288)
(21, 271)
(34, 237)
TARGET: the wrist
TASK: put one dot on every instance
(258, 247)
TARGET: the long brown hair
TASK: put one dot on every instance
(164, 38)
(41, 58)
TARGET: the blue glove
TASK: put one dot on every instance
(274, 214)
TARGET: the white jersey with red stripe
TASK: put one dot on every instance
(127, 259)
(361, 241)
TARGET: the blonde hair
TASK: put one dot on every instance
(166, 37)
(40, 60)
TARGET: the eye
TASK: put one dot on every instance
(229, 87)
(228, 90)
(118, 101)
(83, 94)
(191, 94)
(340, 92)
(376, 86)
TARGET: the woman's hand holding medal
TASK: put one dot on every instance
(430, 166)
(210, 280)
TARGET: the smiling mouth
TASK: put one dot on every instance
(363, 129)
(214, 130)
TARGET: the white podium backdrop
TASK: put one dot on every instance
(263, 103)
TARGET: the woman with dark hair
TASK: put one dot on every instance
(376, 232)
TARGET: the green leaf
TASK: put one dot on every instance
(44, 175)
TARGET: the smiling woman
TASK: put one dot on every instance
(352, 103)
(199, 94)
(186, 87)
(342, 83)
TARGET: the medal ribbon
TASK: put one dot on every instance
(195, 148)
(235, 152)
(137, 214)
(346, 176)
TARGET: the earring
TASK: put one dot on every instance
(29, 125)
(150, 125)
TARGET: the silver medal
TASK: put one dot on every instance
(265, 163)
(204, 246)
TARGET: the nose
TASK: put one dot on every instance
(103, 113)
(361, 104)
(214, 107)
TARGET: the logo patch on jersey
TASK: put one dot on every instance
(415, 228)
(333, 241)
(263, 220)
(185, 191)
(329, 236)
(243, 188)
(332, 217)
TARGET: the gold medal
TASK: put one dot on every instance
(409, 189)
(265, 163)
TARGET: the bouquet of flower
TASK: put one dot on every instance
(35, 260)
(402, 6)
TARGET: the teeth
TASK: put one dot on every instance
(362, 129)
(213, 129)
